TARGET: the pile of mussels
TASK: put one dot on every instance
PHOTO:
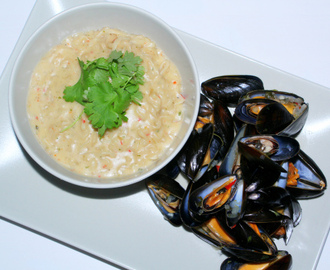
(245, 170)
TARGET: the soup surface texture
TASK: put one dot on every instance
(128, 149)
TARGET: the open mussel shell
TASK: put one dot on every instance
(273, 119)
(272, 196)
(283, 261)
(211, 197)
(276, 225)
(191, 158)
(257, 169)
(167, 194)
(209, 141)
(242, 241)
(231, 162)
(305, 179)
(206, 106)
(219, 115)
(223, 127)
(276, 147)
(230, 88)
(276, 199)
(294, 104)
(188, 218)
(253, 244)
(247, 110)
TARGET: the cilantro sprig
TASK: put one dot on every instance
(106, 88)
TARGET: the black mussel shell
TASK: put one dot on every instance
(230, 88)
(258, 170)
(273, 118)
(283, 261)
(276, 199)
(209, 141)
(271, 197)
(211, 158)
(191, 157)
(218, 114)
(235, 207)
(247, 111)
(277, 148)
(216, 231)
(189, 219)
(278, 96)
(295, 104)
(171, 169)
(223, 127)
(167, 194)
(305, 179)
(211, 197)
(276, 225)
(206, 106)
(230, 164)
(253, 244)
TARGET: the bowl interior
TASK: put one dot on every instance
(93, 17)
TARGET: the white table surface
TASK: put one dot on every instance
(293, 36)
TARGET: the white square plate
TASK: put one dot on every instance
(123, 226)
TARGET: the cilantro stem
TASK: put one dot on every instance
(129, 79)
(75, 121)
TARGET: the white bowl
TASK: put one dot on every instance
(92, 17)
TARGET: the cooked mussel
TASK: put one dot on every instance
(276, 147)
(211, 197)
(230, 88)
(190, 219)
(273, 119)
(217, 113)
(242, 191)
(244, 241)
(252, 243)
(231, 162)
(167, 195)
(235, 207)
(276, 224)
(304, 178)
(257, 169)
(192, 156)
(276, 199)
(280, 112)
(283, 261)
(209, 141)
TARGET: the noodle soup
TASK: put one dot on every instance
(135, 145)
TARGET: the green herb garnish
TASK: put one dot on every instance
(106, 88)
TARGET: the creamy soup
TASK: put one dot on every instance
(130, 148)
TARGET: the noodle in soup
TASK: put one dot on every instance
(128, 149)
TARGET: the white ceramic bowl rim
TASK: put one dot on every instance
(34, 152)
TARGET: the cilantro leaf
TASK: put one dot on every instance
(107, 87)
(76, 91)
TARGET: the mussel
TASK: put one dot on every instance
(209, 141)
(210, 197)
(273, 112)
(246, 173)
(304, 178)
(190, 219)
(244, 241)
(276, 147)
(282, 261)
(230, 88)
(167, 195)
